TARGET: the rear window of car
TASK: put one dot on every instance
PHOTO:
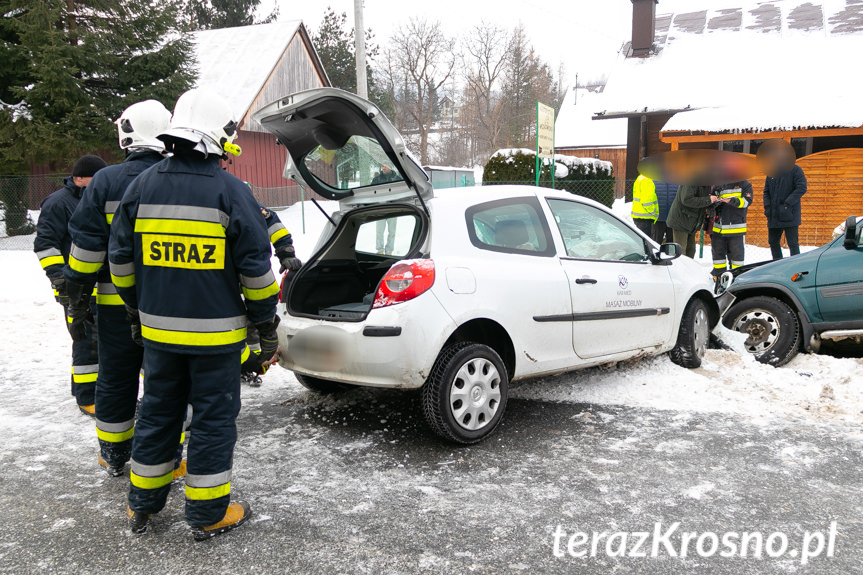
(514, 225)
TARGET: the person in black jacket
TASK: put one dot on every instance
(120, 358)
(783, 188)
(665, 194)
(52, 246)
(190, 256)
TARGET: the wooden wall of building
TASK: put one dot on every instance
(617, 157)
(834, 192)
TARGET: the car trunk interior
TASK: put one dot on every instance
(341, 280)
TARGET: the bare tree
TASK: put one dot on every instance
(418, 62)
(484, 63)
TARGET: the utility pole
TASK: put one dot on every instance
(360, 40)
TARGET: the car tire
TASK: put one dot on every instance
(772, 326)
(322, 386)
(465, 395)
(693, 336)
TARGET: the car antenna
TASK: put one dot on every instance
(326, 215)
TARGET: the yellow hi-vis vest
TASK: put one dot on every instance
(644, 203)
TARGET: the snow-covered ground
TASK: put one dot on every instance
(34, 364)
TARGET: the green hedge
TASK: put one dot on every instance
(588, 180)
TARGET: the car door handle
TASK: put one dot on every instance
(585, 281)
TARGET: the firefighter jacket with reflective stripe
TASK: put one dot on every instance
(186, 243)
(52, 241)
(730, 218)
(90, 225)
(279, 235)
(644, 203)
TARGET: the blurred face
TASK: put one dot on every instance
(81, 182)
(776, 157)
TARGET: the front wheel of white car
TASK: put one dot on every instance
(465, 395)
(693, 336)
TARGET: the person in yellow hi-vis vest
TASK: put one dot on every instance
(645, 208)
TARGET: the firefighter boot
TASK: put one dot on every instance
(237, 514)
(138, 522)
(112, 470)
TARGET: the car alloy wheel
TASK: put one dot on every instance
(475, 394)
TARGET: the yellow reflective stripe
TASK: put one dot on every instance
(179, 227)
(262, 293)
(277, 235)
(245, 355)
(84, 377)
(123, 281)
(83, 267)
(182, 437)
(115, 437)
(203, 493)
(109, 299)
(151, 482)
(194, 338)
(52, 261)
(109, 218)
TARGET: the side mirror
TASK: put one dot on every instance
(667, 252)
(850, 241)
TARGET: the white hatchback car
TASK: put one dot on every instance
(458, 292)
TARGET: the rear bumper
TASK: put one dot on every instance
(393, 347)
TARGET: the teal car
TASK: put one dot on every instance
(795, 303)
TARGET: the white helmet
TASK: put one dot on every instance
(204, 118)
(139, 124)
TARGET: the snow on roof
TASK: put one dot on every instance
(576, 128)
(237, 62)
(771, 65)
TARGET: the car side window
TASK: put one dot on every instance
(513, 225)
(592, 234)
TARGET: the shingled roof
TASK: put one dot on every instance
(758, 65)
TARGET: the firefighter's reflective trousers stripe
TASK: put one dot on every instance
(210, 383)
(120, 361)
(85, 363)
(726, 250)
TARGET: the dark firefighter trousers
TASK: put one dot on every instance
(727, 251)
(211, 385)
(85, 362)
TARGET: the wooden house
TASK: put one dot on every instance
(252, 66)
(729, 75)
(577, 134)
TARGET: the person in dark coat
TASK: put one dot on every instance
(52, 246)
(665, 194)
(782, 196)
(687, 214)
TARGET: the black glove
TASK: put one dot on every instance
(135, 324)
(59, 285)
(254, 364)
(78, 311)
(288, 259)
(269, 339)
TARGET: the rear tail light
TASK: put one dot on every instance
(404, 281)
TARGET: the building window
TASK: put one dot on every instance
(732, 146)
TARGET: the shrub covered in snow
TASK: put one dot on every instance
(582, 176)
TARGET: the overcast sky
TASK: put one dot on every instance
(584, 35)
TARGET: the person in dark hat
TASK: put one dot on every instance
(52, 245)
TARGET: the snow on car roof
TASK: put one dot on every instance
(747, 65)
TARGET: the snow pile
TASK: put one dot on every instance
(562, 163)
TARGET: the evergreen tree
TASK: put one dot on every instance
(74, 67)
(211, 14)
(68, 69)
(334, 43)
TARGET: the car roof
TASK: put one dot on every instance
(468, 196)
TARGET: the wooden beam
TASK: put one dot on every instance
(684, 137)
